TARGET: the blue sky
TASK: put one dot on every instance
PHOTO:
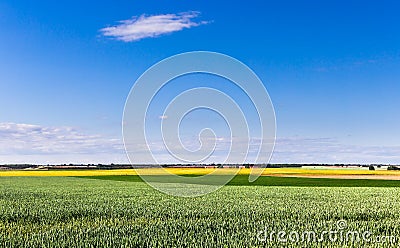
(332, 70)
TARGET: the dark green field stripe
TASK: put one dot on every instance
(242, 180)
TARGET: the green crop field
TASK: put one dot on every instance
(122, 211)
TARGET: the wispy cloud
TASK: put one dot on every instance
(330, 150)
(138, 28)
(26, 143)
(290, 150)
(21, 142)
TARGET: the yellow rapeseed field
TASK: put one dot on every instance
(195, 171)
(64, 173)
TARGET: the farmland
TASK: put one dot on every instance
(325, 171)
(99, 210)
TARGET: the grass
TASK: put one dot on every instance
(83, 212)
(117, 209)
(242, 180)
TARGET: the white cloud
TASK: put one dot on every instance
(329, 150)
(138, 28)
(292, 150)
(26, 143)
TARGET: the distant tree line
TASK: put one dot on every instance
(128, 166)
